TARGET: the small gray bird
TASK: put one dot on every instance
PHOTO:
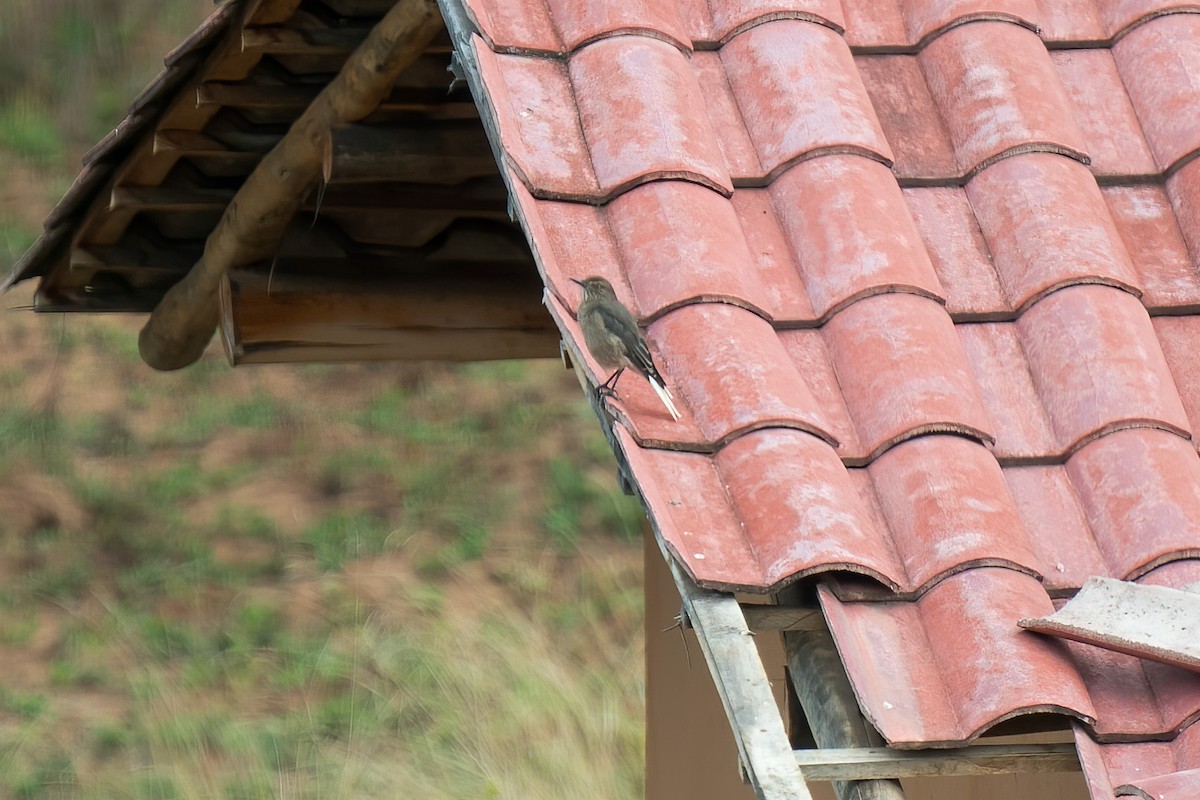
(613, 339)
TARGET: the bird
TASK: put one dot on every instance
(612, 337)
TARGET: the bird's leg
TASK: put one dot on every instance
(609, 387)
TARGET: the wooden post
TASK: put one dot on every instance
(184, 321)
(831, 708)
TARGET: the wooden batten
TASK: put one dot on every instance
(438, 154)
(324, 319)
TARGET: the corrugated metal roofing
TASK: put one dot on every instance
(921, 277)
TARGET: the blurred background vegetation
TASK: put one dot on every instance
(285, 582)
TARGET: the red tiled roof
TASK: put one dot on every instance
(920, 275)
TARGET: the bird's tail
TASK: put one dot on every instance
(664, 394)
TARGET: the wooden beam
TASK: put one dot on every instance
(392, 315)
(285, 98)
(448, 153)
(870, 763)
(831, 708)
(292, 41)
(181, 326)
(783, 618)
(481, 198)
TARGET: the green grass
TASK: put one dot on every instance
(29, 133)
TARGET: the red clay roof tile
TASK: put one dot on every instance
(1120, 16)
(1056, 525)
(582, 21)
(734, 16)
(850, 231)
(925, 19)
(875, 24)
(544, 146)
(944, 500)
(1008, 391)
(910, 120)
(799, 92)
(1158, 62)
(998, 92)
(1070, 21)
(902, 371)
(1136, 490)
(956, 247)
(1046, 226)
(733, 371)
(1183, 190)
(1151, 236)
(1097, 366)
(643, 116)
(1135, 698)
(1160, 770)
(509, 27)
(1104, 113)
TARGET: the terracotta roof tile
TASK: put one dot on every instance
(1155, 244)
(1183, 190)
(582, 21)
(1056, 526)
(1103, 111)
(998, 92)
(902, 371)
(944, 500)
(730, 18)
(632, 83)
(1120, 16)
(827, 207)
(1159, 770)
(1007, 389)
(951, 236)
(925, 19)
(1135, 698)
(874, 24)
(1097, 365)
(955, 385)
(909, 117)
(511, 27)
(799, 92)
(734, 372)
(1135, 488)
(1158, 62)
(544, 146)
(1070, 21)
(1047, 226)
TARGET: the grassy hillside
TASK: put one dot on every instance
(316, 582)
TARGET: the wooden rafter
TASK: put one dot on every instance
(182, 324)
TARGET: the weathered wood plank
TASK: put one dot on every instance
(317, 317)
(448, 153)
(783, 618)
(868, 763)
(733, 660)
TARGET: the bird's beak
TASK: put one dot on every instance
(573, 280)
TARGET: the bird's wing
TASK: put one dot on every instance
(621, 324)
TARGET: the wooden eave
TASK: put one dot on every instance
(404, 250)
